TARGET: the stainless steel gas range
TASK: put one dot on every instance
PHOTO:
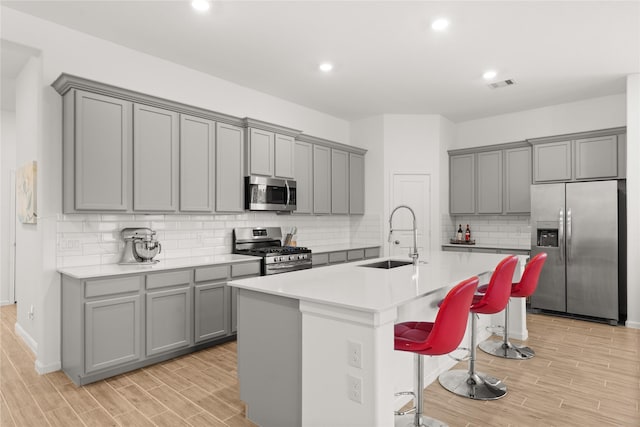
(265, 242)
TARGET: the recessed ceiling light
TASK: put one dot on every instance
(200, 5)
(488, 75)
(326, 67)
(440, 24)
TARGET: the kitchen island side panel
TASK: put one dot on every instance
(270, 358)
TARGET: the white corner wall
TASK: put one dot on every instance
(7, 166)
(633, 201)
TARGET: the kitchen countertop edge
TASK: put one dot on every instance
(92, 271)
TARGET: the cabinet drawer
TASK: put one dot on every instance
(96, 288)
(173, 278)
(355, 254)
(319, 259)
(247, 269)
(372, 253)
(219, 272)
(337, 257)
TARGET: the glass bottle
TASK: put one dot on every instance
(459, 235)
(467, 234)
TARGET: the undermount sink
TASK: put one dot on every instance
(390, 263)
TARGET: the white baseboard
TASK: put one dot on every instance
(632, 324)
(6, 302)
(45, 369)
(28, 340)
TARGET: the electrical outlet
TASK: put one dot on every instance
(354, 354)
(354, 388)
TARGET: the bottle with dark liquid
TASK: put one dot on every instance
(467, 234)
(459, 234)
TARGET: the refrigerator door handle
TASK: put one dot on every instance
(568, 236)
(561, 234)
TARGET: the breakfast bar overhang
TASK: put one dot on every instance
(315, 347)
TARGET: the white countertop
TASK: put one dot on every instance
(490, 246)
(90, 271)
(374, 289)
(319, 249)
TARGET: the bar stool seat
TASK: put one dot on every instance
(435, 338)
(522, 289)
(472, 384)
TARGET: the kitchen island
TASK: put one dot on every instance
(315, 347)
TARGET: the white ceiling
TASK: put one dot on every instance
(387, 59)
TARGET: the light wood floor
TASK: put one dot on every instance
(584, 374)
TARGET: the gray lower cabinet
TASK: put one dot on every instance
(168, 320)
(212, 315)
(155, 159)
(229, 175)
(338, 257)
(115, 324)
(112, 332)
(321, 179)
(463, 248)
(96, 152)
(339, 182)
(356, 184)
(197, 163)
(303, 161)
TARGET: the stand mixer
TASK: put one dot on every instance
(140, 246)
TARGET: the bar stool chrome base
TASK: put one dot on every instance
(409, 421)
(506, 350)
(478, 386)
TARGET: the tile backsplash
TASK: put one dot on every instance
(508, 231)
(93, 239)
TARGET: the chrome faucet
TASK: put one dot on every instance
(414, 255)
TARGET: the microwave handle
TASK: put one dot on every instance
(286, 184)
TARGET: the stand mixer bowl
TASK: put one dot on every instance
(147, 249)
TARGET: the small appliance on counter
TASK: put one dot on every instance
(266, 242)
(140, 246)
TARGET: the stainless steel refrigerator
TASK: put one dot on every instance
(582, 228)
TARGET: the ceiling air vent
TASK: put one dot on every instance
(504, 83)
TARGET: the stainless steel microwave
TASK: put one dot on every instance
(269, 194)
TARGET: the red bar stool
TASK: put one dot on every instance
(472, 384)
(435, 338)
(524, 288)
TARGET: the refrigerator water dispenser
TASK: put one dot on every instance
(548, 237)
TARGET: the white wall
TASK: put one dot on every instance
(39, 120)
(591, 114)
(7, 166)
(633, 201)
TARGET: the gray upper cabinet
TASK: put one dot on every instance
(589, 155)
(284, 155)
(97, 152)
(260, 152)
(321, 179)
(356, 184)
(155, 159)
(339, 182)
(229, 176)
(517, 182)
(596, 157)
(552, 161)
(303, 159)
(197, 145)
(462, 184)
(489, 179)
